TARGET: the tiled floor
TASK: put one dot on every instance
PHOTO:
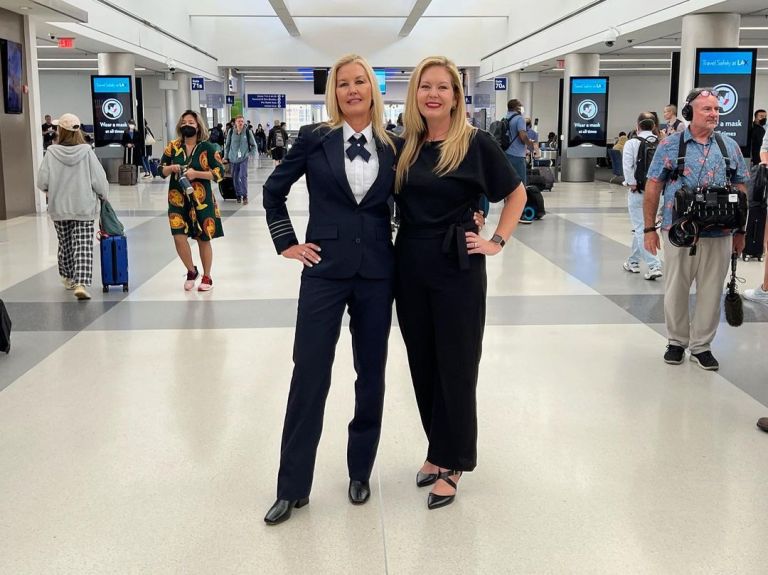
(139, 432)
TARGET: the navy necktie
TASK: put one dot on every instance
(358, 148)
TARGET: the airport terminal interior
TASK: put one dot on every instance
(140, 430)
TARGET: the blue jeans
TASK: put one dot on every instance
(518, 162)
(635, 205)
(240, 178)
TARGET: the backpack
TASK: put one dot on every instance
(500, 132)
(279, 141)
(250, 138)
(644, 158)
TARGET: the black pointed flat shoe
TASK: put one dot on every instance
(359, 491)
(424, 479)
(435, 501)
(281, 510)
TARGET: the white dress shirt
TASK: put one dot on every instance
(629, 156)
(361, 174)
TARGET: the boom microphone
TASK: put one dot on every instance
(734, 308)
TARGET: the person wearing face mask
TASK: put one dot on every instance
(133, 143)
(518, 137)
(757, 133)
(193, 162)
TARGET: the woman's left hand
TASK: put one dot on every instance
(479, 245)
(192, 174)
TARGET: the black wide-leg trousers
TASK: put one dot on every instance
(441, 312)
(321, 308)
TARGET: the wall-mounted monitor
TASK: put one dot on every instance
(320, 77)
(12, 72)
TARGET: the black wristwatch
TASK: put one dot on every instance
(649, 230)
(497, 239)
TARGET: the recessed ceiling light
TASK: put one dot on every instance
(25, 8)
(632, 69)
(656, 47)
(753, 28)
(635, 59)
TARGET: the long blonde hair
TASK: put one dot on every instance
(454, 148)
(336, 118)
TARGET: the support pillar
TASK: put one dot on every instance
(703, 31)
(577, 169)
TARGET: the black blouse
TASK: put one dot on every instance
(430, 200)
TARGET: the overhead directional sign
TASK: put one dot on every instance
(500, 84)
(198, 83)
(266, 100)
(230, 100)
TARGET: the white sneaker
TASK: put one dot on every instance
(81, 292)
(653, 275)
(631, 268)
(68, 283)
(758, 295)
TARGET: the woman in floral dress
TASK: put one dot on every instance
(193, 213)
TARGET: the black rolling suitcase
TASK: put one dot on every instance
(5, 329)
(536, 179)
(755, 238)
(534, 206)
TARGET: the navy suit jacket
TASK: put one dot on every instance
(356, 239)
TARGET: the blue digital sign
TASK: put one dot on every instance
(266, 100)
(589, 85)
(381, 76)
(111, 84)
(725, 62)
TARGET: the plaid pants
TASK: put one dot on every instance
(75, 250)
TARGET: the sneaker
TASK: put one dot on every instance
(68, 283)
(81, 292)
(653, 275)
(524, 221)
(239, 199)
(706, 360)
(245, 201)
(206, 284)
(191, 279)
(758, 295)
(674, 355)
(631, 268)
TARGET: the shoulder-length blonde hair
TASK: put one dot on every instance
(454, 148)
(336, 118)
(202, 131)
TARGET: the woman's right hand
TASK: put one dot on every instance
(307, 254)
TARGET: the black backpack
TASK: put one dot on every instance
(500, 132)
(5, 329)
(644, 158)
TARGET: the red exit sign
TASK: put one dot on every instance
(66, 42)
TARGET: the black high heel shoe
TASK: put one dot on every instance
(435, 501)
(424, 479)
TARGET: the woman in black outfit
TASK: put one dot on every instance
(444, 168)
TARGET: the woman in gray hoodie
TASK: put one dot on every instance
(74, 180)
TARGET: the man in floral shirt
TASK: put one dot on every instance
(704, 166)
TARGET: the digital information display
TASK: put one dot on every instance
(588, 108)
(731, 73)
(266, 100)
(112, 98)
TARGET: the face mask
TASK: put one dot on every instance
(762, 122)
(188, 131)
(522, 111)
(132, 126)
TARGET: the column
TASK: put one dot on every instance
(469, 90)
(703, 31)
(501, 100)
(177, 100)
(35, 112)
(576, 169)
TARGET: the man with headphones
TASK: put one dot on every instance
(709, 160)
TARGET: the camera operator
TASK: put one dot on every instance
(708, 260)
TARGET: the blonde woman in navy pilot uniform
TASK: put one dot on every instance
(348, 262)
